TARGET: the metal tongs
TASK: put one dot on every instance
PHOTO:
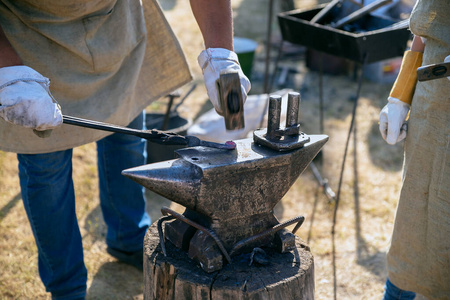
(152, 135)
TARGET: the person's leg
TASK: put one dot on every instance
(123, 200)
(49, 200)
(391, 292)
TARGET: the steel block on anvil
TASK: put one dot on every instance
(284, 240)
(204, 250)
(179, 233)
(235, 190)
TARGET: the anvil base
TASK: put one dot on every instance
(203, 249)
(176, 277)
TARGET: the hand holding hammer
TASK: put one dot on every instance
(226, 84)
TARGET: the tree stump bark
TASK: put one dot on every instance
(288, 276)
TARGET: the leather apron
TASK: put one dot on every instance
(107, 60)
(419, 256)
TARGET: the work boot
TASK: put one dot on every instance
(135, 259)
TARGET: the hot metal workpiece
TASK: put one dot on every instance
(230, 195)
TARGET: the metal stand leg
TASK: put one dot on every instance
(350, 130)
(355, 105)
(277, 61)
(323, 182)
(268, 46)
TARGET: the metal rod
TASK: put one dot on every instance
(165, 210)
(323, 182)
(103, 126)
(360, 13)
(324, 11)
(184, 97)
(274, 115)
(161, 233)
(292, 109)
(277, 61)
(341, 176)
(321, 119)
(153, 135)
(268, 46)
(156, 122)
(398, 25)
(167, 114)
(299, 220)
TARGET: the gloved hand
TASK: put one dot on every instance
(392, 118)
(213, 61)
(26, 100)
(393, 115)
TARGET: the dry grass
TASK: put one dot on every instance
(368, 199)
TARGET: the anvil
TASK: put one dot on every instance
(231, 193)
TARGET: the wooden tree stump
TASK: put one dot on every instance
(288, 276)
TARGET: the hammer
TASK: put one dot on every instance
(434, 71)
(231, 102)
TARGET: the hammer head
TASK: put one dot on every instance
(230, 97)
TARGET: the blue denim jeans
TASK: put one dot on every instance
(49, 200)
(391, 292)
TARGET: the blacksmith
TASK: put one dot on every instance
(99, 60)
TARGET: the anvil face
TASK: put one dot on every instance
(236, 190)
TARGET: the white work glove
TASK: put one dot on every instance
(25, 99)
(213, 61)
(392, 120)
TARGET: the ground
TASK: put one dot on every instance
(350, 266)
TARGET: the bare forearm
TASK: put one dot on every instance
(417, 44)
(215, 20)
(8, 56)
